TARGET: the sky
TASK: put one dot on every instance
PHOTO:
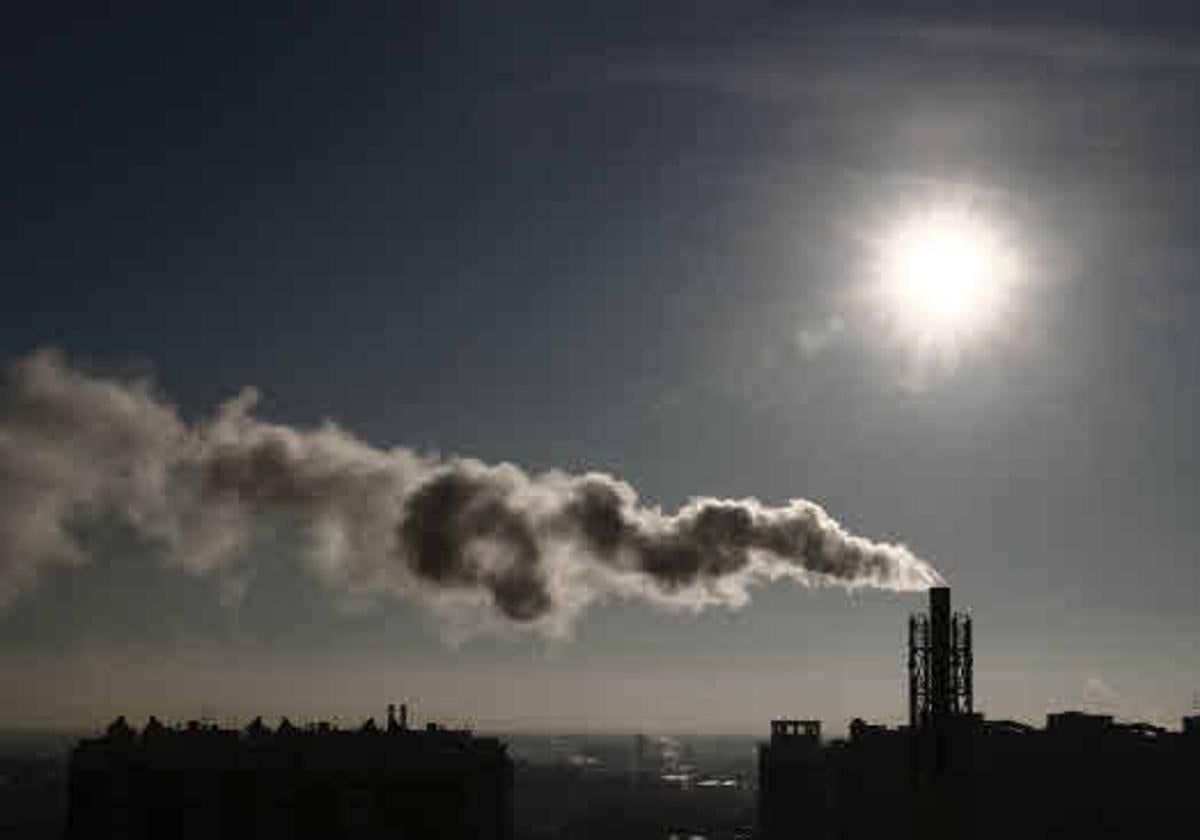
(639, 239)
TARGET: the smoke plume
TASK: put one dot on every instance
(451, 534)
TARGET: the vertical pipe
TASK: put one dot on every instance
(968, 667)
(914, 711)
(941, 704)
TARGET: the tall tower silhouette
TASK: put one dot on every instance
(940, 663)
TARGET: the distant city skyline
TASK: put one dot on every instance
(701, 249)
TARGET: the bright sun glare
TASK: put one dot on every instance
(943, 275)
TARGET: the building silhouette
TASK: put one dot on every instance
(203, 781)
(950, 773)
(793, 792)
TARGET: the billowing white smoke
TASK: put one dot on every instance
(446, 533)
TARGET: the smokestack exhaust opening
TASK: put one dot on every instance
(939, 601)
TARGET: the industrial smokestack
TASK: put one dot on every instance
(940, 662)
(941, 700)
(463, 538)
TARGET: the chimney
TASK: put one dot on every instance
(941, 688)
(940, 662)
(391, 717)
(404, 716)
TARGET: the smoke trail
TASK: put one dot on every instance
(443, 532)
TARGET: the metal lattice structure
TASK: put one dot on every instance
(940, 663)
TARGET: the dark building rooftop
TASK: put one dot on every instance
(953, 774)
(313, 781)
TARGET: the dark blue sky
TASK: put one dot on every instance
(590, 239)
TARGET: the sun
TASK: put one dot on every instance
(943, 275)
